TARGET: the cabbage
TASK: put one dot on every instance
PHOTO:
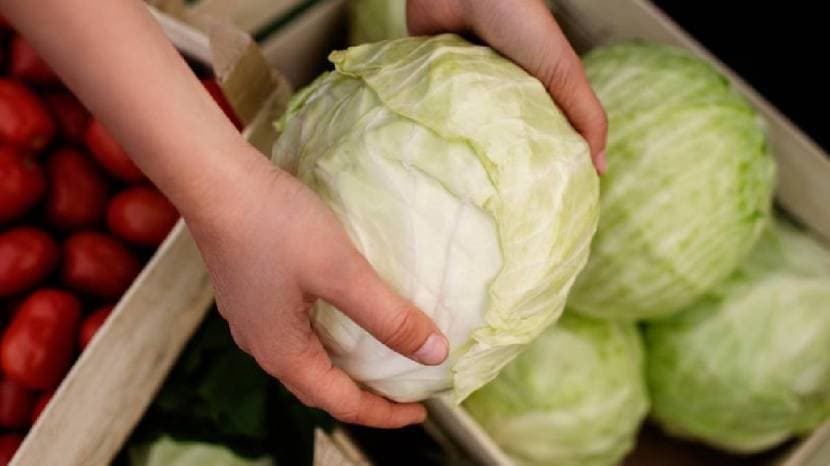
(689, 184)
(166, 451)
(463, 185)
(376, 20)
(576, 397)
(748, 367)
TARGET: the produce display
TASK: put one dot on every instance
(463, 185)
(77, 222)
(689, 183)
(691, 305)
(686, 199)
(747, 367)
(575, 397)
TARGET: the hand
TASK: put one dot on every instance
(524, 31)
(272, 247)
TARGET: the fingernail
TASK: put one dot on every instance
(433, 351)
(601, 162)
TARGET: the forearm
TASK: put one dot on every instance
(118, 61)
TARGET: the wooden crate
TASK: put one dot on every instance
(803, 178)
(108, 389)
(251, 16)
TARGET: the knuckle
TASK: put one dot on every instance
(597, 127)
(561, 75)
(402, 329)
(345, 276)
(348, 414)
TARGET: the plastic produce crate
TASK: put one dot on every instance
(300, 47)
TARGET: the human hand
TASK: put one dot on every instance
(525, 32)
(272, 247)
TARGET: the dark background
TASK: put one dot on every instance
(781, 49)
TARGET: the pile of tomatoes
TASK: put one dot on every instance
(77, 222)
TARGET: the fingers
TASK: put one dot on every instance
(526, 32)
(311, 376)
(565, 79)
(358, 292)
(425, 17)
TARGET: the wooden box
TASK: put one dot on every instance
(803, 184)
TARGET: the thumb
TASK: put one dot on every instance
(359, 292)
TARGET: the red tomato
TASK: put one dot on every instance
(41, 405)
(27, 256)
(24, 120)
(26, 64)
(70, 114)
(141, 215)
(16, 404)
(22, 183)
(109, 153)
(215, 91)
(37, 346)
(78, 191)
(91, 324)
(9, 443)
(98, 264)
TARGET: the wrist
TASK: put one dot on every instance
(214, 189)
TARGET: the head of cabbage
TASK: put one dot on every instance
(376, 20)
(749, 366)
(575, 397)
(688, 188)
(166, 451)
(463, 185)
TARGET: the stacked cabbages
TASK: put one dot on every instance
(737, 303)
(409, 136)
(575, 397)
(747, 367)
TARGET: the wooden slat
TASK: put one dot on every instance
(298, 49)
(815, 451)
(466, 433)
(327, 452)
(247, 15)
(350, 450)
(188, 39)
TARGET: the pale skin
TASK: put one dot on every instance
(253, 222)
